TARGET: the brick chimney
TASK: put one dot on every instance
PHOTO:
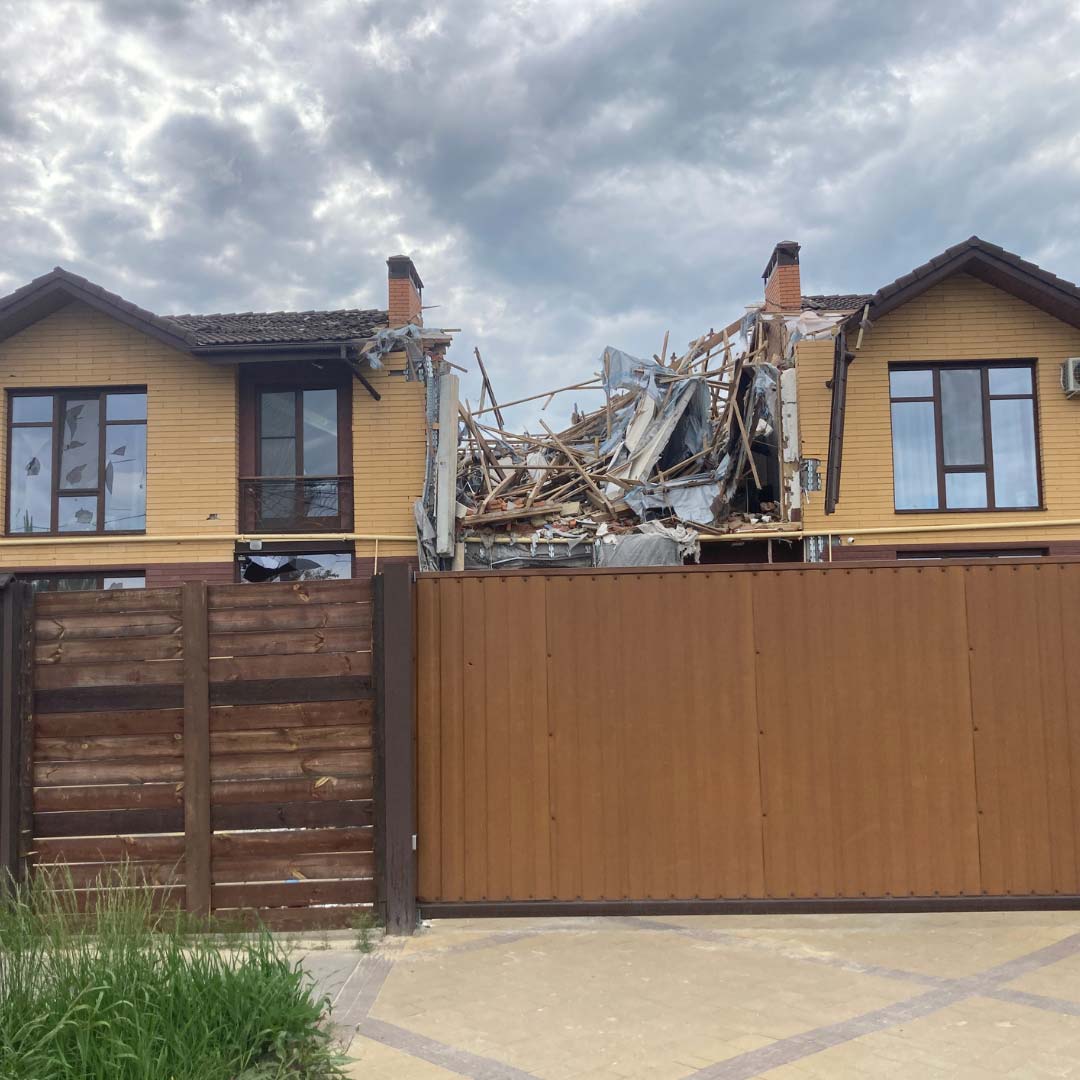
(783, 290)
(405, 289)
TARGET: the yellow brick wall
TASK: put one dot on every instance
(963, 318)
(192, 455)
(388, 457)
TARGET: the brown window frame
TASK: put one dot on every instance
(984, 367)
(276, 377)
(59, 395)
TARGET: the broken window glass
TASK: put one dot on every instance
(65, 474)
(30, 474)
(125, 477)
(81, 446)
(295, 566)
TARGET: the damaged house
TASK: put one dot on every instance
(943, 400)
(145, 450)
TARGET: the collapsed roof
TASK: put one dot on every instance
(690, 443)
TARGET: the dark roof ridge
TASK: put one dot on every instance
(990, 263)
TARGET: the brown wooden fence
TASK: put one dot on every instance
(705, 737)
(221, 743)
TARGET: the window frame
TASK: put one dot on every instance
(299, 549)
(94, 572)
(258, 377)
(59, 395)
(984, 367)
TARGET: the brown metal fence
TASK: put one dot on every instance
(842, 735)
(220, 742)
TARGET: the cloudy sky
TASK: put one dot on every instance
(566, 173)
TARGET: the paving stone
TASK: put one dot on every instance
(784, 997)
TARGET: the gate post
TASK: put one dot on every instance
(16, 737)
(395, 724)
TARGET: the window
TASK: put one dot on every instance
(77, 461)
(109, 579)
(964, 437)
(299, 456)
(295, 566)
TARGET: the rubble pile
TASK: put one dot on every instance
(688, 443)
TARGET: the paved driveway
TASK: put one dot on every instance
(956, 995)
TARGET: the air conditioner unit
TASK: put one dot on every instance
(1070, 376)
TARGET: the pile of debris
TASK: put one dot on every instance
(683, 445)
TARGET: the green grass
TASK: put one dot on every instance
(365, 925)
(123, 993)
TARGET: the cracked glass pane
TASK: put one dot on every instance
(81, 446)
(77, 513)
(31, 480)
(125, 477)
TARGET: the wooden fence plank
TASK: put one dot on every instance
(331, 866)
(295, 841)
(341, 737)
(123, 722)
(135, 796)
(107, 822)
(197, 827)
(337, 917)
(105, 747)
(110, 601)
(83, 627)
(131, 847)
(301, 665)
(352, 763)
(308, 617)
(305, 789)
(107, 698)
(283, 691)
(291, 715)
(293, 815)
(106, 773)
(278, 641)
(66, 651)
(294, 894)
(125, 674)
(231, 597)
(279, 815)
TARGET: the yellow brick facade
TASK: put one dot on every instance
(192, 444)
(962, 318)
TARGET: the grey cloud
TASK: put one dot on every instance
(571, 174)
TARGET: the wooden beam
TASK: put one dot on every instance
(197, 827)
(395, 723)
(16, 737)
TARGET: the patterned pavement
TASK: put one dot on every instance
(715, 998)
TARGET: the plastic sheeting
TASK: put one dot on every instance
(410, 338)
(690, 499)
(625, 372)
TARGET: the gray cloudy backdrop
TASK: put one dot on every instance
(565, 174)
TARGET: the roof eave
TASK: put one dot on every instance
(1055, 296)
(56, 290)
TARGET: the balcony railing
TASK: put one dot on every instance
(296, 504)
